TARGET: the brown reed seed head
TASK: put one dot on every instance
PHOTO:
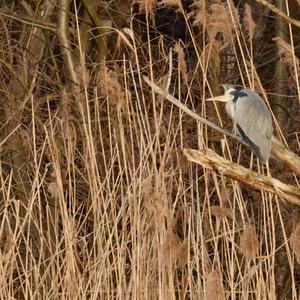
(248, 21)
(214, 287)
(295, 242)
(249, 243)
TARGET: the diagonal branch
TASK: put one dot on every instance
(30, 20)
(278, 12)
(210, 160)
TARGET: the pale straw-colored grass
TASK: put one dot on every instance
(118, 213)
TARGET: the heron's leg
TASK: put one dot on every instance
(239, 154)
(258, 165)
(264, 167)
(251, 161)
(268, 169)
(234, 130)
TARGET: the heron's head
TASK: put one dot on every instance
(228, 95)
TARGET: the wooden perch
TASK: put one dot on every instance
(290, 159)
(210, 160)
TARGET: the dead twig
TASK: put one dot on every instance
(30, 20)
(278, 12)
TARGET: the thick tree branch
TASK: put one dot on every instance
(63, 30)
(289, 158)
(210, 160)
(101, 24)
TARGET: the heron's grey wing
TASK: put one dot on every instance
(255, 123)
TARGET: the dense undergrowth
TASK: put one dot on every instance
(97, 200)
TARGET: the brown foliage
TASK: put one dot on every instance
(295, 241)
(214, 287)
(249, 243)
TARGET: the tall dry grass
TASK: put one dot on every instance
(114, 209)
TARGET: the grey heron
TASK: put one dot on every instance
(252, 119)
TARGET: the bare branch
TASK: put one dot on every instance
(101, 39)
(63, 30)
(30, 20)
(278, 12)
(289, 158)
(210, 160)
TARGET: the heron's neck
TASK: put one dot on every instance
(229, 106)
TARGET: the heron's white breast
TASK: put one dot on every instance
(229, 107)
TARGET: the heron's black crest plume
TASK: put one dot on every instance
(237, 94)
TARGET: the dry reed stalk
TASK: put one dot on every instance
(109, 184)
(250, 25)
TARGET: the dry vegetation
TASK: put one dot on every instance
(97, 199)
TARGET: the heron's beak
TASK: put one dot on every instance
(219, 98)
